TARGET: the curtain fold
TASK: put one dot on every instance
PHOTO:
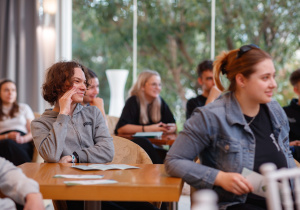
(20, 59)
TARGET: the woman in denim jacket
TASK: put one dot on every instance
(244, 128)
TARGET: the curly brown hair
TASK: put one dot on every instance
(59, 79)
(15, 106)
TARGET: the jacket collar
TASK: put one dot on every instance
(234, 114)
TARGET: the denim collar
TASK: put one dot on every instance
(234, 114)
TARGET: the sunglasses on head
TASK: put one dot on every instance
(245, 49)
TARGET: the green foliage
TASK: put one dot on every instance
(174, 36)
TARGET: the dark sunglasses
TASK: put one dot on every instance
(245, 49)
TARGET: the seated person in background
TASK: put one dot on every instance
(15, 118)
(239, 130)
(206, 81)
(293, 113)
(146, 111)
(15, 185)
(71, 132)
(91, 94)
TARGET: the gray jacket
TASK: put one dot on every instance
(15, 185)
(56, 135)
(219, 134)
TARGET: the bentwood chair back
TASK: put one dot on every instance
(112, 122)
(127, 152)
(205, 199)
(278, 187)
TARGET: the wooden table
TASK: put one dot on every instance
(165, 139)
(149, 183)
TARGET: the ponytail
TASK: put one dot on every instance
(230, 64)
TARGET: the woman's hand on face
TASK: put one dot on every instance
(66, 100)
(98, 102)
(233, 182)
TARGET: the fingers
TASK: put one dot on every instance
(233, 182)
(66, 100)
(165, 130)
(97, 102)
(69, 93)
(161, 124)
(295, 143)
(241, 186)
(65, 159)
(171, 129)
(13, 135)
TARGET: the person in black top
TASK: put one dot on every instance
(146, 111)
(205, 80)
(293, 113)
(131, 115)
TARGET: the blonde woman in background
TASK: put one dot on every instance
(146, 111)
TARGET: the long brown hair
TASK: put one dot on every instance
(15, 106)
(234, 62)
(136, 90)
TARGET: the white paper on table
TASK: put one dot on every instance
(112, 166)
(257, 181)
(104, 167)
(148, 134)
(70, 176)
(90, 182)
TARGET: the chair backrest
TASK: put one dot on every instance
(205, 200)
(194, 190)
(112, 122)
(128, 152)
(279, 194)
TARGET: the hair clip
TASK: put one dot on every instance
(223, 69)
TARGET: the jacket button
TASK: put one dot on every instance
(226, 147)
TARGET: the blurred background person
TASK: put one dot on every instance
(206, 81)
(22, 192)
(146, 111)
(15, 118)
(91, 94)
(293, 113)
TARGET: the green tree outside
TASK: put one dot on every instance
(174, 36)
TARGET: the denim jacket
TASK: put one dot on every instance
(219, 134)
